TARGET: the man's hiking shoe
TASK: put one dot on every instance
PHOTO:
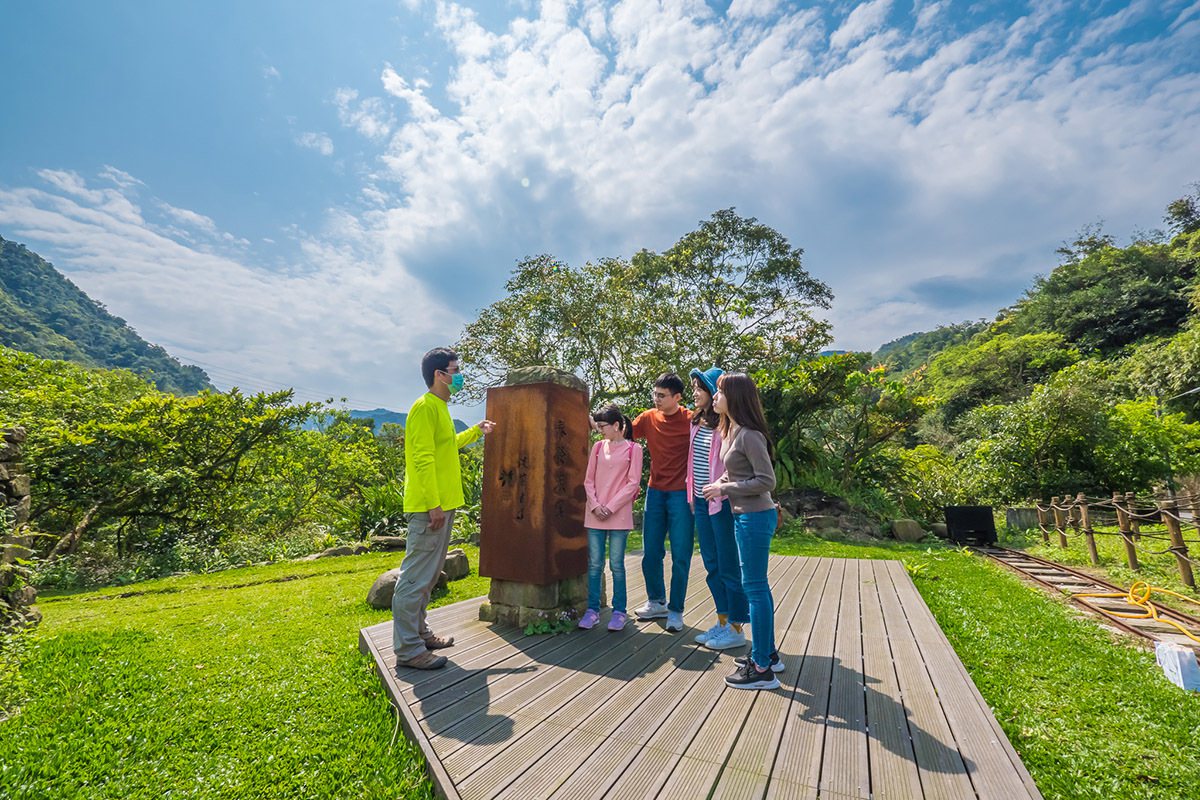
(426, 660)
(748, 676)
(435, 642)
(653, 609)
(776, 664)
(674, 621)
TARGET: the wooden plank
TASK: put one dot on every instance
(800, 749)
(680, 701)
(894, 772)
(844, 766)
(940, 766)
(758, 746)
(995, 769)
(486, 760)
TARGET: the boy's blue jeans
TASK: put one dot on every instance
(754, 531)
(616, 562)
(667, 513)
(719, 552)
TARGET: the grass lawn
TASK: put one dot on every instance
(248, 683)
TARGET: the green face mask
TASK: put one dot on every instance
(456, 383)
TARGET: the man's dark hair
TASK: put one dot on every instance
(436, 360)
(669, 381)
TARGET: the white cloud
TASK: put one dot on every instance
(270, 73)
(369, 117)
(316, 141)
(344, 318)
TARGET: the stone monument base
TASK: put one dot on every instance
(521, 604)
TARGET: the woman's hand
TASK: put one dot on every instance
(711, 491)
(602, 512)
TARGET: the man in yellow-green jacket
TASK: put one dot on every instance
(432, 492)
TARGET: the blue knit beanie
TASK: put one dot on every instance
(708, 378)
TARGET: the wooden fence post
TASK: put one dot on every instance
(1083, 524)
(1060, 521)
(1135, 524)
(1126, 532)
(1043, 522)
(1196, 509)
(1169, 509)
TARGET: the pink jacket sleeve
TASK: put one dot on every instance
(628, 492)
(589, 480)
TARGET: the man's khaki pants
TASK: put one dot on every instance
(424, 556)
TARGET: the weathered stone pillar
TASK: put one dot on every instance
(532, 542)
(16, 599)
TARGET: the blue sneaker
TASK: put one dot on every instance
(701, 638)
(726, 638)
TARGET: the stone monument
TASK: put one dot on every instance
(532, 542)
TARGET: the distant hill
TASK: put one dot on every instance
(911, 351)
(43, 313)
(382, 416)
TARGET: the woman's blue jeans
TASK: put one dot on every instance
(754, 531)
(616, 562)
(719, 552)
(667, 513)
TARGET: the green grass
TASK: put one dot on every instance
(248, 683)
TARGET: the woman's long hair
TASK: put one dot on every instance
(612, 414)
(743, 405)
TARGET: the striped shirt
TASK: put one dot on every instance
(701, 446)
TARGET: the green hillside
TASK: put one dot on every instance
(43, 313)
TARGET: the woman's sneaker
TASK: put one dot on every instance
(617, 621)
(726, 638)
(747, 676)
(589, 619)
(702, 638)
(776, 663)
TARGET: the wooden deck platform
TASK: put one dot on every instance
(874, 703)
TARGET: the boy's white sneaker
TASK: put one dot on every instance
(651, 609)
(674, 621)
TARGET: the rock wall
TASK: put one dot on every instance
(16, 598)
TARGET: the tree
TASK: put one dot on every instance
(733, 292)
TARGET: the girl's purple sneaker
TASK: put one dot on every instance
(589, 619)
(617, 622)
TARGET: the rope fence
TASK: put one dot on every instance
(1162, 519)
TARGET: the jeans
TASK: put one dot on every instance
(616, 563)
(719, 552)
(667, 512)
(754, 531)
(419, 571)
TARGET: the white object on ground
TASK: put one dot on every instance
(1179, 665)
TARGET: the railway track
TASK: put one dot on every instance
(1073, 582)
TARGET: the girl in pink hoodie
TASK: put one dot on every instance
(614, 476)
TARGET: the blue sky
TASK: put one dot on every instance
(293, 193)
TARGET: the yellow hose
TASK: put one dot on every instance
(1139, 595)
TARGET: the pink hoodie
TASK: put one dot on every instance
(614, 476)
(716, 468)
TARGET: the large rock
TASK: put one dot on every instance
(15, 435)
(907, 530)
(939, 530)
(456, 565)
(380, 595)
(1021, 519)
(544, 374)
(388, 544)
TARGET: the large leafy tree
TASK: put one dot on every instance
(733, 292)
